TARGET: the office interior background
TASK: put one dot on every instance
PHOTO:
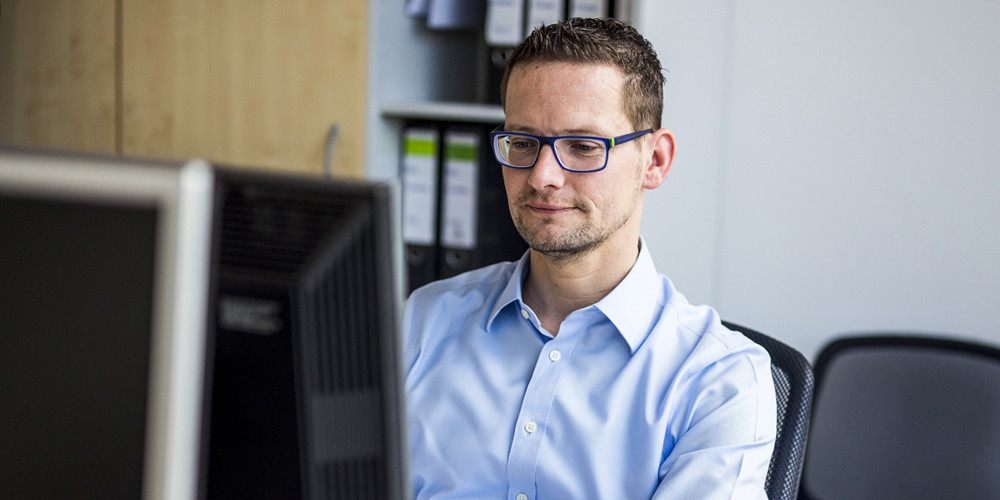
(836, 171)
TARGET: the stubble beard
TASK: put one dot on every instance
(563, 243)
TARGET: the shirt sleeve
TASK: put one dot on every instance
(724, 440)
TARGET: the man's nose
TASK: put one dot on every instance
(547, 172)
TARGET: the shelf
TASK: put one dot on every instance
(445, 111)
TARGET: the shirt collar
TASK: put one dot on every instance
(512, 290)
(632, 306)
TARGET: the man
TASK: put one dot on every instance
(579, 372)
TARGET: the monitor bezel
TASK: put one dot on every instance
(181, 194)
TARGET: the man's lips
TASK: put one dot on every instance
(544, 205)
(548, 209)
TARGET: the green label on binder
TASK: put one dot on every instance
(420, 147)
(460, 151)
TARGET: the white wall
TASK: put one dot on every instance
(838, 164)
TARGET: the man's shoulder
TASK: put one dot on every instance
(463, 301)
(486, 280)
(732, 340)
(708, 339)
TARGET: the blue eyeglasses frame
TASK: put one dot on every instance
(609, 142)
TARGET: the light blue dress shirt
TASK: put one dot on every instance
(641, 395)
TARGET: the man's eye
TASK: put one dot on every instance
(586, 148)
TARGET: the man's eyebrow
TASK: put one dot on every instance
(534, 131)
(510, 127)
(583, 131)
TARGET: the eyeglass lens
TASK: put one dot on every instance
(572, 153)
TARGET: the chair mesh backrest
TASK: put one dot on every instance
(793, 388)
(904, 417)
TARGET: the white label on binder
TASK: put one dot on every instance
(588, 8)
(419, 186)
(543, 12)
(461, 190)
(504, 22)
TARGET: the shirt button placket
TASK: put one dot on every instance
(538, 397)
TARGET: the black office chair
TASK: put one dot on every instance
(793, 387)
(904, 417)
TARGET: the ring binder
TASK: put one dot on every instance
(420, 173)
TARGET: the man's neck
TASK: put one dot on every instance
(557, 287)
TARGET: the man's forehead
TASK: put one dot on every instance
(571, 80)
(565, 98)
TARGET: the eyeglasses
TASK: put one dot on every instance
(575, 153)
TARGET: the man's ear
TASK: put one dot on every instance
(662, 156)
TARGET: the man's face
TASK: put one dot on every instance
(561, 213)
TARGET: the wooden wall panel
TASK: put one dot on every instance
(256, 83)
(57, 74)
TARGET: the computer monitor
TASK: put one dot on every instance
(103, 289)
(305, 380)
(184, 331)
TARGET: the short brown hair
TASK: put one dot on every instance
(600, 41)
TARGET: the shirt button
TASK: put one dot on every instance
(522, 496)
(531, 426)
(524, 313)
(555, 355)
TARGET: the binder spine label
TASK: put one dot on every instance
(461, 190)
(588, 8)
(504, 22)
(419, 186)
(543, 12)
